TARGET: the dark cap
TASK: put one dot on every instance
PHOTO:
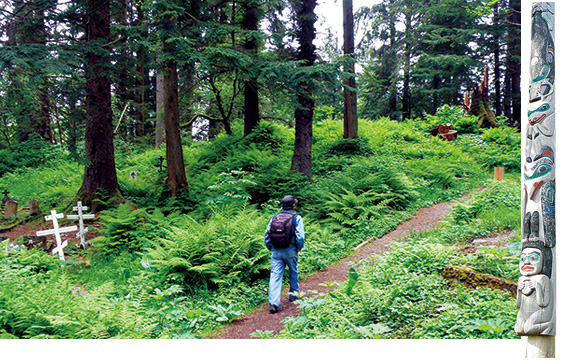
(288, 202)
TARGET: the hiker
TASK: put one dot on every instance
(284, 237)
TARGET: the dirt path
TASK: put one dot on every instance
(260, 319)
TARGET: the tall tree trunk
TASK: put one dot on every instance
(350, 122)
(100, 171)
(496, 53)
(515, 49)
(142, 79)
(251, 94)
(302, 158)
(160, 110)
(176, 173)
(406, 90)
(43, 127)
(512, 103)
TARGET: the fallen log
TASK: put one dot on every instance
(472, 279)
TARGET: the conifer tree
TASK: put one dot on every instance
(100, 170)
(349, 91)
(251, 9)
(170, 15)
(304, 113)
(26, 37)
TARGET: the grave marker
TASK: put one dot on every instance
(6, 197)
(57, 232)
(33, 206)
(82, 231)
(11, 210)
(160, 165)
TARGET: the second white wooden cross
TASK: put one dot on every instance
(57, 232)
(82, 231)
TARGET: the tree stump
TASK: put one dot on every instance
(479, 104)
(446, 132)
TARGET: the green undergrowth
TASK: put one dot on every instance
(184, 267)
(402, 295)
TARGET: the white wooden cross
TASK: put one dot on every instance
(57, 232)
(82, 231)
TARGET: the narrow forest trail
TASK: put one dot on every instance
(261, 319)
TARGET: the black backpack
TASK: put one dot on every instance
(282, 230)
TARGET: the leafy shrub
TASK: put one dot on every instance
(454, 115)
(28, 154)
(348, 209)
(122, 230)
(228, 246)
(322, 249)
(496, 261)
(52, 307)
(349, 147)
(496, 207)
(230, 188)
(503, 136)
(53, 185)
(266, 136)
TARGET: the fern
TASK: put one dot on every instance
(228, 246)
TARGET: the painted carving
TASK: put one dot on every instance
(548, 213)
(535, 293)
(536, 286)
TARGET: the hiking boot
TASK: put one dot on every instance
(293, 296)
(273, 308)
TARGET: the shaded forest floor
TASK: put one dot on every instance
(261, 319)
(425, 219)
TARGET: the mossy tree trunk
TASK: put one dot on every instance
(100, 179)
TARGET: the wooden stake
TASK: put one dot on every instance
(362, 244)
(499, 173)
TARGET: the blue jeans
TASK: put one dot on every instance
(280, 259)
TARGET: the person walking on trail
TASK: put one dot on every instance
(284, 237)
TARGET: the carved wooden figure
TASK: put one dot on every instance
(536, 286)
(535, 293)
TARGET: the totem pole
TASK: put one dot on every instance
(536, 286)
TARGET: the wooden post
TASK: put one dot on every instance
(540, 347)
(536, 286)
(499, 173)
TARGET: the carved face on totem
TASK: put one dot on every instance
(541, 112)
(531, 262)
(538, 194)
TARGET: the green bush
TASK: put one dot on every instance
(122, 230)
(349, 147)
(503, 136)
(454, 115)
(226, 247)
(28, 154)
